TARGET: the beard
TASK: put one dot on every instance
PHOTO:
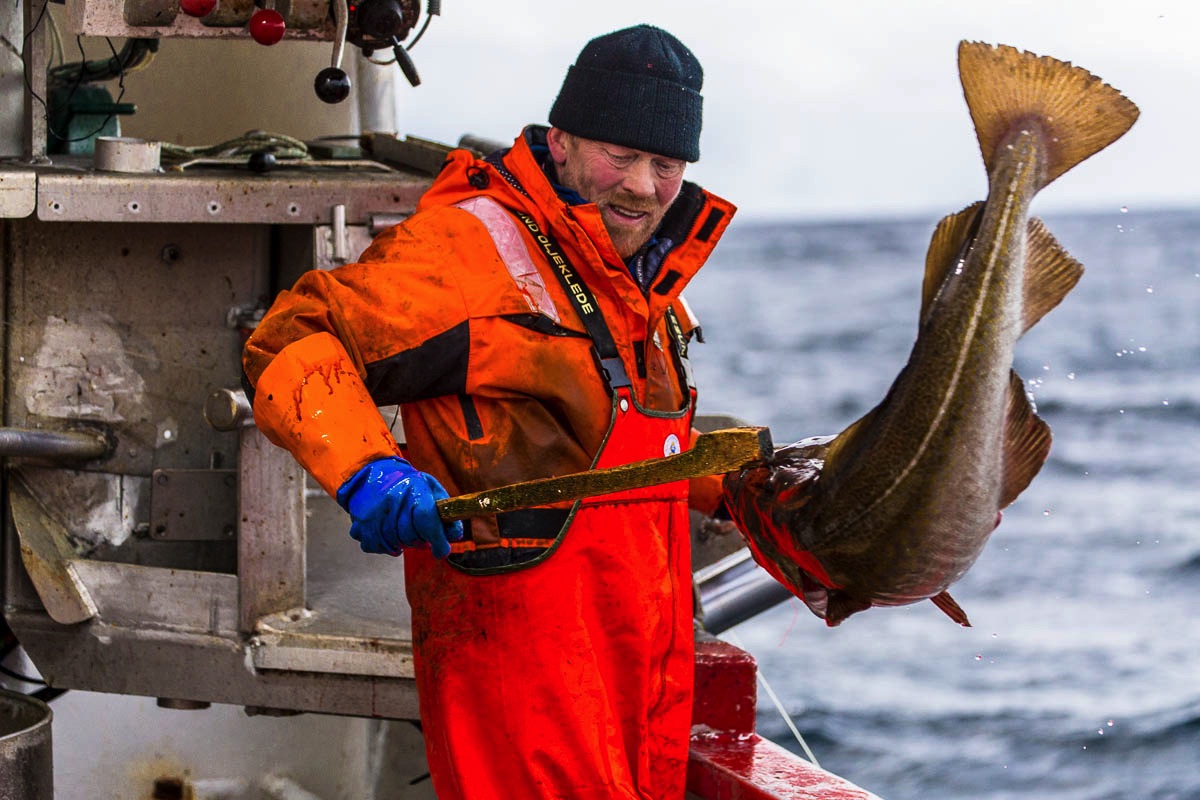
(630, 221)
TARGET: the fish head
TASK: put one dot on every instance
(768, 502)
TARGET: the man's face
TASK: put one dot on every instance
(632, 188)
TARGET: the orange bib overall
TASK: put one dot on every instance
(612, 608)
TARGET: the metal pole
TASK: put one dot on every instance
(375, 93)
(735, 589)
(35, 57)
(53, 445)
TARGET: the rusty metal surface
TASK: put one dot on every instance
(291, 196)
(127, 300)
(126, 326)
(306, 14)
(307, 641)
(228, 13)
(107, 516)
(12, 95)
(35, 52)
(142, 13)
(194, 504)
(191, 666)
(160, 598)
(271, 531)
(47, 555)
(107, 18)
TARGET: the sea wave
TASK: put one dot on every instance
(1083, 598)
(1024, 753)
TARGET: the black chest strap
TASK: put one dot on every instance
(612, 368)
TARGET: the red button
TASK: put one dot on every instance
(197, 8)
(267, 26)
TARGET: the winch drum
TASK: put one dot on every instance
(26, 749)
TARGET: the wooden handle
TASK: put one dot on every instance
(714, 453)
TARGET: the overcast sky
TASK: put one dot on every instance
(840, 108)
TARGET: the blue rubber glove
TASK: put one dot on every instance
(393, 505)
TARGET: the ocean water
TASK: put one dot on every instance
(1080, 679)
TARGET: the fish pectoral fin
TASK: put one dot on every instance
(1005, 87)
(952, 609)
(1026, 442)
(841, 605)
(947, 248)
(1050, 273)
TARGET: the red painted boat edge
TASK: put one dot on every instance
(727, 759)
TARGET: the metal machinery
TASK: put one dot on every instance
(151, 524)
(154, 543)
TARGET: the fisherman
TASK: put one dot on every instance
(528, 321)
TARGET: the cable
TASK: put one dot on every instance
(135, 55)
(420, 33)
(432, 9)
(83, 65)
(278, 144)
(787, 719)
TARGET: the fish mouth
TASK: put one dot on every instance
(814, 595)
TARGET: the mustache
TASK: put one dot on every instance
(632, 203)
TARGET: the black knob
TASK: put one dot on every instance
(332, 85)
(381, 19)
(261, 161)
(405, 62)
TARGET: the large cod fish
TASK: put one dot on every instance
(898, 506)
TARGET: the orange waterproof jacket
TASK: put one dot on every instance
(457, 316)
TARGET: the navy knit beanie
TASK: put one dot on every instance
(638, 87)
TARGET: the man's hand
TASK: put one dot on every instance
(393, 505)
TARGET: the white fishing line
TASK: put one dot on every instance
(736, 641)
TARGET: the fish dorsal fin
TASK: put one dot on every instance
(1005, 87)
(1026, 442)
(946, 249)
(1050, 273)
(952, 609)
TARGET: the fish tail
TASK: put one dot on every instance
(1005, 88)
